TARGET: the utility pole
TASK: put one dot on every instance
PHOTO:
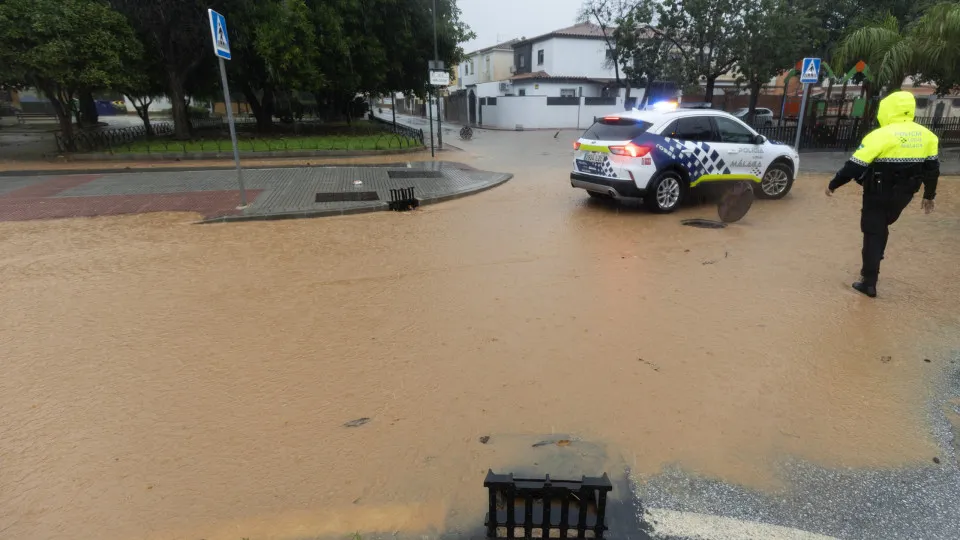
(393, 107)
(436, 58)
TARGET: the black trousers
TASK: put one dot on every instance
(880, 210)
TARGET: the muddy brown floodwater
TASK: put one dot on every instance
(166, 380)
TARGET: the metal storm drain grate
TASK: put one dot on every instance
(528, 508)
(403, 199)
(348, 196)
(704, 223)
(404, 174)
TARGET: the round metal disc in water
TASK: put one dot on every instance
(735, 202)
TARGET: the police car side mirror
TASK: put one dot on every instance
(759, 139)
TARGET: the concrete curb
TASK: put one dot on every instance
(379, 207)
(181, 156)
(65, 172)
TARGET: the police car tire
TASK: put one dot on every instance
(650, 199)
(760, 194)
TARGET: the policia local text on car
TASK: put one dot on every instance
(891, 165)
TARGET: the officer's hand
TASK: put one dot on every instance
(927, 205)
(829, 192)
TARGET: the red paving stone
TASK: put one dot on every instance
(51, 187)
(207, 203)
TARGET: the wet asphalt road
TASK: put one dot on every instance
(918, 502)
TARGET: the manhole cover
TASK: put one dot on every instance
(348, 196)
(735, 202)
(704, 223)
(414, 173)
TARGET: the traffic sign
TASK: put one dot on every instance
(439, 78)
(218, 31)
(810, 71)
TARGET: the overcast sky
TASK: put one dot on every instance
(495, 21)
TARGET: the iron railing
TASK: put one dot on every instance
(399, 129)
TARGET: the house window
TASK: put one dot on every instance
(540, 57)
(610, 54)
(522, 61)
(522, 92)
(568, 92)
(487, 68)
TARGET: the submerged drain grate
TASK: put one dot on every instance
(347, 196)
(404, 174)
(529, 506)
(403, 199)
(704, 223)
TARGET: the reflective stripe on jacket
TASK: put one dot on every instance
(900, 155)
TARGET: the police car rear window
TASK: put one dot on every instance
(616, 129)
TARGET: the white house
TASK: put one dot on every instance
(487, 65)
(569, 62)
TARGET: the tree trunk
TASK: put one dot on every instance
(63, 116)
(262, 107)
(708, 92)
(88, 109)
(626, 97)
(145, 116)
(181, 120)
(754, 97)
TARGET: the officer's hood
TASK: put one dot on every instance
(897, 107)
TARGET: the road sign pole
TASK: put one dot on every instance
(439, 124)
(233, 131)
(430, 112)
(803, 109)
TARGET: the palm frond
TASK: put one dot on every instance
(869, 43)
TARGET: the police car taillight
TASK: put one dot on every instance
(631, 150)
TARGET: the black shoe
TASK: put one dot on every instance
(869, 290)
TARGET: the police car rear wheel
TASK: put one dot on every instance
(776, 182)
(664, 193)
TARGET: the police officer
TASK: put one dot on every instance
(891, 164)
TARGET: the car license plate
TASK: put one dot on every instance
(594, 157)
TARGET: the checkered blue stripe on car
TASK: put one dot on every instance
(699, 159)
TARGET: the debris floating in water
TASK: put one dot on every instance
(357, 423)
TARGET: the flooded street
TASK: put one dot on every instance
(167, 380)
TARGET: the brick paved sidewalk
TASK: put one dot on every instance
(273, 193)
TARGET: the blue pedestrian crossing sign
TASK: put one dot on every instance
(810, 72)
(218, 29)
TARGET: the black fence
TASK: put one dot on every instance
(212, 134)
(400, 129)
(814, 136)
(846, 134)
(545, 505)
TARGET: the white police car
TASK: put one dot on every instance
(660, 155)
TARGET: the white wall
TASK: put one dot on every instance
(488, 89)
(573, 57)
(462, 77)
(532, 112)
(552, 88)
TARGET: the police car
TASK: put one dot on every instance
(661, 155)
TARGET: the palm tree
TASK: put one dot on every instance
(938, 35)
(928, 48)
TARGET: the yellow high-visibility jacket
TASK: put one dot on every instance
(899, 156)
